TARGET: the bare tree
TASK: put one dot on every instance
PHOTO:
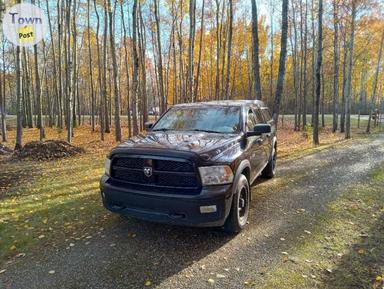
(348, 86)
(255, 51)
(200, 51)
(40, 120)
(374, 91)
(229, 53)
(316, 140)
(335, 65)
(163, 100)
(135, 68)
(283, 55)
(191, 48)
(19, 104)
(115, 74)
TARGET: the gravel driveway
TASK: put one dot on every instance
(137, 254)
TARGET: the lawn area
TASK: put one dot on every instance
(45, 203)
(345, 247)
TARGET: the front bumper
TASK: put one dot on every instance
(172, 209)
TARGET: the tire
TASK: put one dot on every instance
(238, 216)
(270, 170)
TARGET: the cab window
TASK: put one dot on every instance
(251, 120)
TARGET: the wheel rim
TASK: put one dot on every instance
(243, 206)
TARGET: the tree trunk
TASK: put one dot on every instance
(200, 52)
(102, 112)
(305, 68)
(135, 68)
(40, 121)
(335, 66)
(126, 70)
(283, 55)
(19, 103)
(163, 100)
(374, 91)
(191, 48)
(229, 53)
(349, 79)
(316, 140)
(115, 74)
(105, 69)
(255, 52)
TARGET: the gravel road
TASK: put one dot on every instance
(134, 253)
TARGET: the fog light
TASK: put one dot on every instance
(208, 209)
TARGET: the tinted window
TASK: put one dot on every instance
(266, 114)
(221, 119)
(251, 120)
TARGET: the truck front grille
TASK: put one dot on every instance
(165, 175)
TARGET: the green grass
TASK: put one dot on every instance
(57, 199)
(345, 248)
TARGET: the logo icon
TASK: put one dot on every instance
(148, 172)
(25, 24)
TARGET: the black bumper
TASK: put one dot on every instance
(177, 209)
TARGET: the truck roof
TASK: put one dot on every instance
(242, 102)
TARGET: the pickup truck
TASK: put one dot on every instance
(194, 166)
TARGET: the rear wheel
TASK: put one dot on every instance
(238, 216)
(270, 170)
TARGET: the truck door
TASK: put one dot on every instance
(255, 143)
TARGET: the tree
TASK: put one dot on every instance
(191, 48)
(335, 65)
(163, 104)
(348, 85)
(115, 74)
(283, 55)
(374, 91)
(19, 103)
(318, 75)
(135, 68)
(229, 53)
(255, 51)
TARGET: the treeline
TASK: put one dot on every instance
(108, 58)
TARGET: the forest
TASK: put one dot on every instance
(105, 69)
(113, 63)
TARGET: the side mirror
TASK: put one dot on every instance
(260, 129)
(148, 125)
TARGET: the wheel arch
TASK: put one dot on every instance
(244, 168)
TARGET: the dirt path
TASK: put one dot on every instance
(133, 253)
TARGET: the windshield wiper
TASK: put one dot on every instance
(204, 130)
(162, 129)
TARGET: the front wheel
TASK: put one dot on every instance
(238, 216)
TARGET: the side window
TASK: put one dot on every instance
(266, 114)
(259, 115)
(251, 120)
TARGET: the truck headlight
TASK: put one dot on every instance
(216, 175)
(107, 167)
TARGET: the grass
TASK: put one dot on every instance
(345, 248)
(55, 201)
(48, 203)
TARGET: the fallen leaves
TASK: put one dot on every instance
(148, 283)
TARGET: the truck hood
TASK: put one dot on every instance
(207, 145)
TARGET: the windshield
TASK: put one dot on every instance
(216, 119)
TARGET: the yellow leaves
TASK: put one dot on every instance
(361, 251)
(148, 283)
(13, 247)
(45, 221)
